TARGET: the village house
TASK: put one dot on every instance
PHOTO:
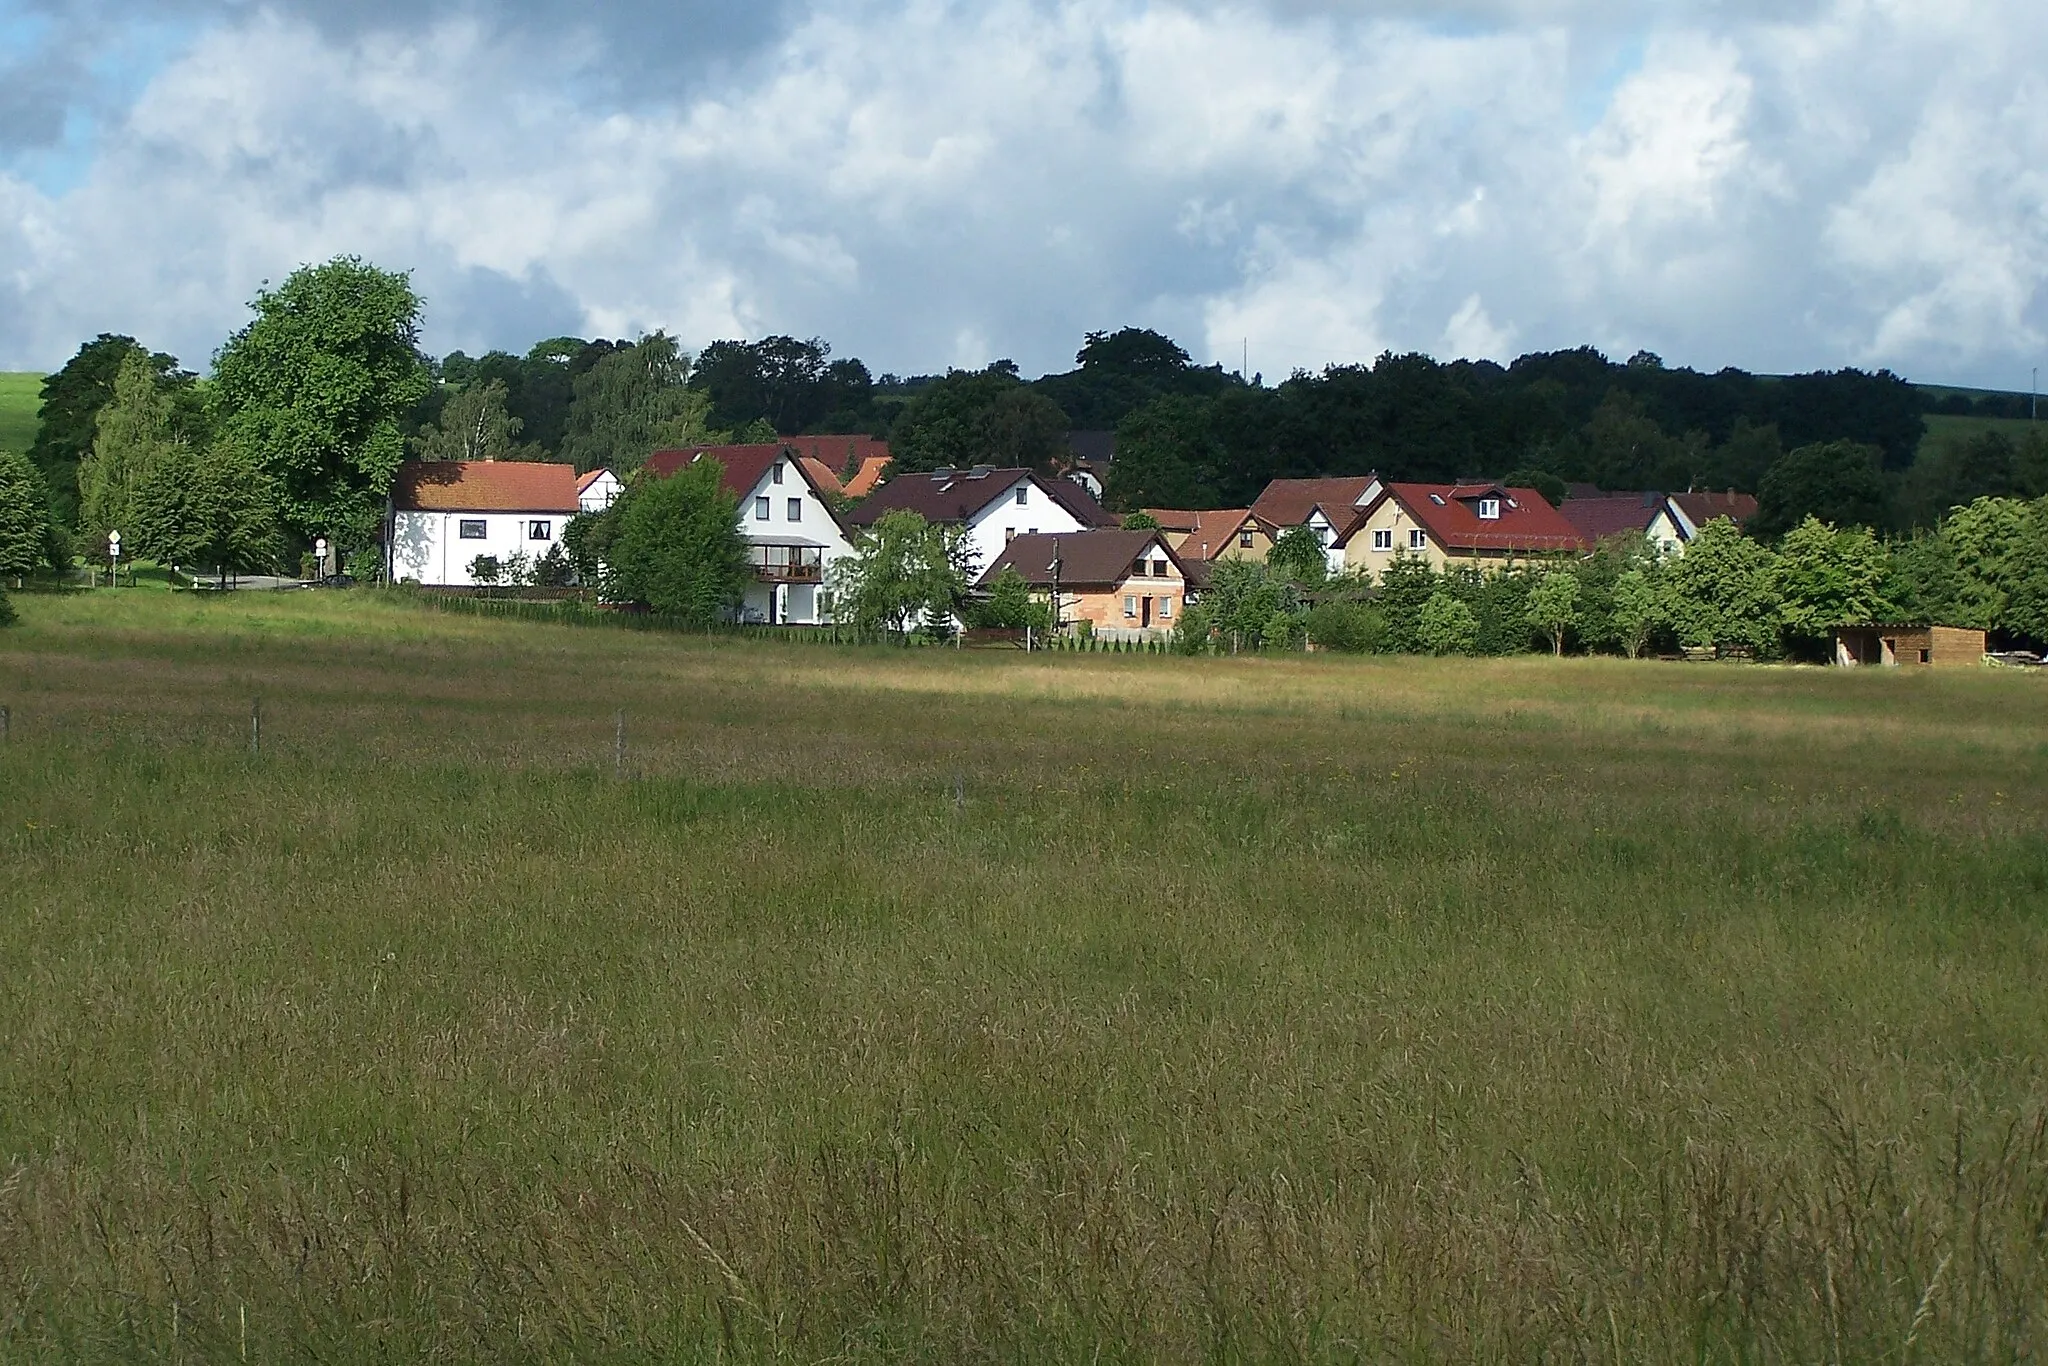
(793, 535)
(1127, 585)
(1484, 525)
(598, 490)
(1669, 521)
(444, 515)
(1214, 534)
(1908, 646)
(1327, 507)
(1089, 456)
(993, 507)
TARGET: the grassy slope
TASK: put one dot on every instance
(1243, 1008)
(1943, 429)
(20, 397)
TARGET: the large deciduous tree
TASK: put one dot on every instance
(678, 548)
(2000, 547)
(1553, 607)
(67, 422)
(136, 431)
(905, 572)
(210, 509)
(980, 417)
(1167, 455)
(474, 425)
(1721, 591)
(316, 389)
(24, 516)
(633, 402)
(1826, 578)
(1840, 482)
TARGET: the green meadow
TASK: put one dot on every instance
(887, 1005)
(1943, 430)
(21, 398)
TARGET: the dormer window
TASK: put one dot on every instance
(1489, 509)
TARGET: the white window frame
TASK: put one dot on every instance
(1130, 607)
(1165, 608)
(1383, 539)
(1418, 539)
(1489, 509)
(538, 530)
(762, 511)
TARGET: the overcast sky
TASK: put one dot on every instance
(1774, 184)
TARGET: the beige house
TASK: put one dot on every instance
(1215, 533)
(1446, 525)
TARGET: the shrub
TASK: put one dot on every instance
(1447, 626)
(1281, 631)
(485, 569)
(6, 609)
(1352, 627)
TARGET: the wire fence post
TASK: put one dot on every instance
(255, 725)
(619, 744)
(6, 725)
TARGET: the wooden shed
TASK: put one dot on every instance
(1908, 646)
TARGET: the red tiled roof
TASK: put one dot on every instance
(1087, 558)
(1288, 502)
(1212, 528)
(584, 481)
(742, 466)
(484, 486)
(1611, 514)
(1449, 513)
(864, 479)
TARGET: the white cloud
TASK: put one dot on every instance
(925, 181)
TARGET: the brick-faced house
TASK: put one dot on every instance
(1487, 526)
(793, 535)
(1125, 584)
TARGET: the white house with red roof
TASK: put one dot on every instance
(1488, 526)
(444, 515)
(793, 535)
(598, 490)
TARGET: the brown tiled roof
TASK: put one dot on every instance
(1611, 514)
(484, 486)
(1702, 508)
(863, 480)
(1087, 558)
(821, 475)
(1449, 513)
(1081, 503)
(743, 466)
(1288, 502)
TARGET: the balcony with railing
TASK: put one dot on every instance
(788, 563)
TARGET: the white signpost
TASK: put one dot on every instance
(113, 559)
(320, 558)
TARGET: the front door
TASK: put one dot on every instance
(1144, 612)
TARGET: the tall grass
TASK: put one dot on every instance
(919, 1006)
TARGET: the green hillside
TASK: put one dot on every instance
(20, 396)
(1942, 429)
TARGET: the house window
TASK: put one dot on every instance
(1165, 608)
(540, 531)
(472, 529)
(1009, 534)
(796, 509)
(1032, 532)
(1244, 540)
(775, 473)
(1383, 540)
(825, 601)
(761, 509)
(1130, 606)
(1418, 539)
(1927, 656)
(1489, 509)
(1158, 569)
(1023, 494)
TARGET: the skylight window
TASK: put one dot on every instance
(1437, 498)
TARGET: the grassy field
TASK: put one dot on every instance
(1941, 430)
(21, 395)
(920, 1006)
